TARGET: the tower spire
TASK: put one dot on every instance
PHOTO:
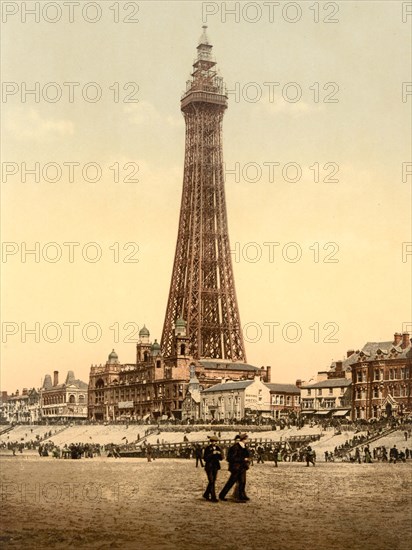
(202, 289)
(204, 38)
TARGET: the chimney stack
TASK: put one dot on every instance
(268, 373)
(405, 340)
(338, 367)
(55, 378)
(24, 392)
(298, 383)
(397, 337)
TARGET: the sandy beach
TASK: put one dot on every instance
(130, 503)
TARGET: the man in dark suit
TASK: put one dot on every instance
(238, 458)
(393, 454)
(199, 454)
(276, 454)
(310, 456)
(212, 456)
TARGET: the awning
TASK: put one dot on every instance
(321, 413)
(307, 412)
(341, 413)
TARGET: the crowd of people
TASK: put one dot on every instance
(355, 449)
(349, 444)
(73, 450)
(378, 454)
(26, 442)
(259, 451)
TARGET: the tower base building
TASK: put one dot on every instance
(154, 388)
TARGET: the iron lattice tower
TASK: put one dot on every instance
(202, 289)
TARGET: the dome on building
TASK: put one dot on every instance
(113, 357)
(144, 332)
(180, 327)
(155, 346)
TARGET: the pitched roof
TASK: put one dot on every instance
(345, 362)
(17, 397)
(79, 384)
(76, 383)
(331, 383)
(372, 348)
(287, 388)
(238, 385)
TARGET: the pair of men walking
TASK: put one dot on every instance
(238, 458)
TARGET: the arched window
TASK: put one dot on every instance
(100, 384)
(72, 399)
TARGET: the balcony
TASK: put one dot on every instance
(202, 96)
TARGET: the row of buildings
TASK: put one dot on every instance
(53, 402)
(369, 383)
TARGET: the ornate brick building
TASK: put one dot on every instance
(381, 379)
(155, 386)
(66, 401)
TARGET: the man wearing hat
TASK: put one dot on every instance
(310, 456)
(212, 456)
(238, 458)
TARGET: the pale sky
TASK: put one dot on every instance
(364, 136)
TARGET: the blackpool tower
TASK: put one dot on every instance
(202, 290)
